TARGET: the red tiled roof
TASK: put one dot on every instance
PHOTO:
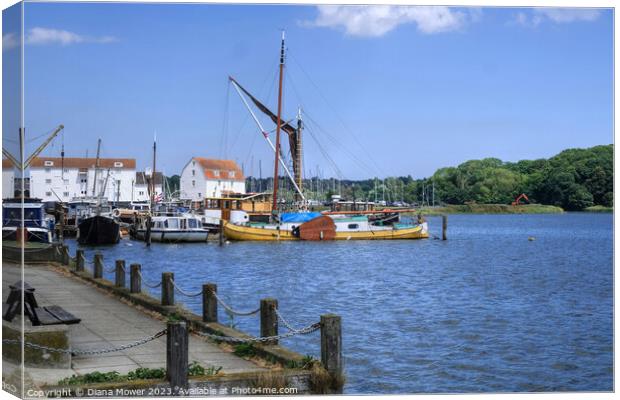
(225, 167)
(74, 162)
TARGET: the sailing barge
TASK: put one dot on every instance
(304, 225)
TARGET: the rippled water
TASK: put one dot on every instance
(486, 311)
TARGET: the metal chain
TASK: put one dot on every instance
(285, 322)
(152, 286)
(304, 331)
(88, 352)
(109, 270)
(231, 310)
(183, 292)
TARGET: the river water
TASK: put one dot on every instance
(488, 310)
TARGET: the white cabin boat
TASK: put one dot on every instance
(38, 225)
(174, 228)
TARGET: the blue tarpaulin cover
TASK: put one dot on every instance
(299, 217)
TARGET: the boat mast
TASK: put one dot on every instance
(298, 162)
(274, 208)
(96, 166)
(153, 173)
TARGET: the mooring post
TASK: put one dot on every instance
(221, 232)
(79, 260)
(65, 255)
(135, 283)
(177, 345)
(269, 319)
(331, 344)
(167, 289)
(119, 273)
(147, 234)
(209, 302)
(98, 270)
(444, 227)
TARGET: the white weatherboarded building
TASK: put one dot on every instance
(52, 178)
(205, 177)
(141, 186)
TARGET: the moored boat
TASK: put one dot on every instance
(38, 226)
(173, 229)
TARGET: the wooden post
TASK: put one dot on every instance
(268, 319)
(79, 260)
(177, 358)
(444, 227)
(221, 232)
(167, 289)
(65, 255)
(135, 283)
(331, 344)
(98, 270)
(119, 273)
(147, 233)
(209, 302)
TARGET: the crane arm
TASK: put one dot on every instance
(43, 146)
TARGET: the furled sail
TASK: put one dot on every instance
(285, 126)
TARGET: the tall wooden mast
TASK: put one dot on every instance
(274, 207)
(153, 173)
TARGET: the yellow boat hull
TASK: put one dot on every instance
(239, 232)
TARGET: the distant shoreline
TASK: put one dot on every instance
(491, 209)
(504, 209)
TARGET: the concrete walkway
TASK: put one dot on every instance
(108, 322)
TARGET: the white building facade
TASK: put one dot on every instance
(141, 186)
(9, 173)
(54, 178)
(205, 177)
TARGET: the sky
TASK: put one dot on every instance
(384, 90)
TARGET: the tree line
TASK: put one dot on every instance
(573, 179)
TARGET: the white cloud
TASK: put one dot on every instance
(40, 35)
(372, 21)
(9, 41)
(556, 15)
(48, 36)
(563, 15)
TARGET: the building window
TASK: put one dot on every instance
(48, 170)
(193, 172)
(216, 172)
(193, 163)
(199, 194)
(141, 193)
(118, 164)
(48, 163)
(66, 194)
(48, 181)
(231, 174)
(48, 194)
(193, 183)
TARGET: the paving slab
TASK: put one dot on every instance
(108, 322)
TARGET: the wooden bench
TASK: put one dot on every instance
(49, 315)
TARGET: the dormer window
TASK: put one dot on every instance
(231, 174)
(48, 163)
(216, 172)
(118, 164)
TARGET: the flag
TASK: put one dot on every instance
(158, 198)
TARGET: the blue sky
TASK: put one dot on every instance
(386, 90)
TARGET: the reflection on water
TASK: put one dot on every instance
(487, 310)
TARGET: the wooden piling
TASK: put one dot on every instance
(444, 227)
(79, 260)
(269, 319)
(98, 270)
(177, 358)
(66, 257)
(147, 233)
(221, 238)
(331, 344)
(167, 289)
(119, 273)
(135, 283)
(209, 302)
